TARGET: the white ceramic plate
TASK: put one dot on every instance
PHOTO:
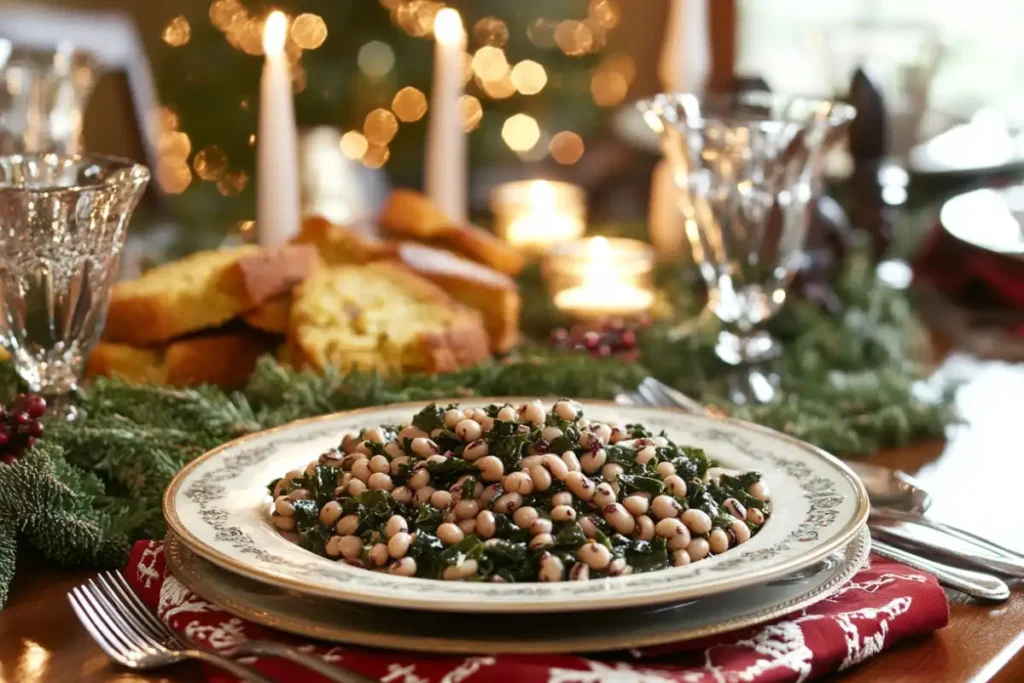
(988, 219)
(218, 506)
(346, 622)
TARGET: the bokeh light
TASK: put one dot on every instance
(520, 132)
(470, 112)
(233, 183)
(529, 77)
(376, 59)
(354, 144)
(175, 144)
(541, 32)
(566, 147)
(622, 63)
(173, 175)
(500, 89)
(598, 34)
(608, 88)
(223, 12)
(309, 31)
(210, 163)
(417, 17)
(605, 12)
(573, 37)
(376, 156)
(490, 64)
(177, 32)
(380, 127)
(490, 31)
(167, 119)
(409, 104)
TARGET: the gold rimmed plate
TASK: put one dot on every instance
(558, 632)
(218, 507)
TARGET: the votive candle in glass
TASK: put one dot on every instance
(601, 277)
(536, 214)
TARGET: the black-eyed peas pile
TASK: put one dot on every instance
(516, 493)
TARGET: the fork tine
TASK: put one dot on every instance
(101, 623)
(121, 593)
(115, 625)
(649, 397)
(128, 624)
(99, 636)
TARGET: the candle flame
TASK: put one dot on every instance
(448, 27)
(600, 250)
(274, 33)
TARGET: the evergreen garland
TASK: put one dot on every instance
(91, 487)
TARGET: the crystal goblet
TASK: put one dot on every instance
(747, 167)
(63, 221)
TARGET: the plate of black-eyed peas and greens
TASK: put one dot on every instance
(515, 504)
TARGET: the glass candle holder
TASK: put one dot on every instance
(600, 278)
(533, 215)
(63, 221)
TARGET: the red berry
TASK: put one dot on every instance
(21, 419)
(604, 351)
(560, 335)
(35, 405)
(628, 339)
(3, 439)
(35, 429)
(7, 459)
(591, 340)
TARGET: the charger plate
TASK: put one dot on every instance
(558, 632)
(218, 506)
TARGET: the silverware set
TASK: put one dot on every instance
(124, 627)
(899, 529)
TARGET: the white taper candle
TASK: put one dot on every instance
(277, 167)
(446, 161)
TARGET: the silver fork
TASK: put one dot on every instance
(125, 628)
(651, 392)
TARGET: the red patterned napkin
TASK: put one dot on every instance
(884, 603)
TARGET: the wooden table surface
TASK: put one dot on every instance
(976, 478)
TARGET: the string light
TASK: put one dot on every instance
(173, 175)
(233, 183)
(566, 147)
(252, 139)
(417, 17)
(376, 59)
(491, 31)
(529, 77)
(605, 12)
(490, 64)
(354, 144)
(541, 33)
(500, 89)
(608, 88)
(222, 13)
(409, 104)
(380, 127)
(309, 31)
(175, 144)
(573, 37)
(520, 132)
(376, 156)
(210, 163)
(167, 119)
(622, 63)
(470, 112)
(177, 32)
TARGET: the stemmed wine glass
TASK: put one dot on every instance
(748, 167)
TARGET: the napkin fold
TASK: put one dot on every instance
(884, 603)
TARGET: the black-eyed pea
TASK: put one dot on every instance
(351, 547)
(697, 521)
(755, 516)
(395, 524)
(602, 432)
(659, 441)
(449, 533)
(441, 499)
(610, 472)
(436, 460)
(419, 479)
(467, 508)
(680, 541)
(540, 526)
(394, 450)
(579, 572)
(330, 513)
(403, 567)
(489, 494)
(549, 434)
(411, 433)
(669, 528)
(604, 495)
(572, 463)
(735, 508)
(461, 571)
(596, 555)
(551, 568)
(665, 507)
(332, 548)
(424, 447)
(508, 503)
(485, 524)
(468, 526)
(380, 482)
(579, 485)
(666, 469)
(423, 494)
(402, 494)
(361, 469)
(740, 531)
(283, 523)
(397, 463)
(619, 567)
(636, 505)
(507, 414)
(347, 525)
(675, 485)
(530, 461)
(617, 434)
(593, 461)
(565, 410)
(541, 541)
(363, 448)
(555, 466)
(491, 468)
(698, 549)
(349, 443)
(645, 455)
(680, 558)
(645, 528)
(283, 507)
(355, 487)
(452, 417)
(759, 490)
(718, 541)
(378, 555)
(618, 517)
(589, 526)
(398, 544)
(475, 450)
(563, 513)
(518, 482)
(561, 498)
(540, 476)
(532, 413)
(468, 430)
(525, 516)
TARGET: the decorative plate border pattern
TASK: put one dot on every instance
(313, 575)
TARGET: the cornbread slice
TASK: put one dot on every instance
(339, 244)
(381, 316)
(202, 291)
(411, 215)
(225, 359)
(271, 316)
